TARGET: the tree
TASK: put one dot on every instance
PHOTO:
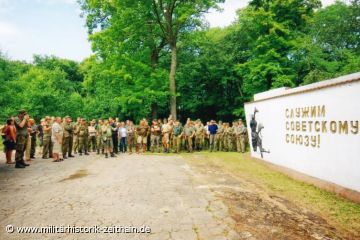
(164, 20)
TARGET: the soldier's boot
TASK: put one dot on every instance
(86, 152)
(70, 155)
(137, 148)
(112, 154)
(98, 151)
(80, 153)
(24, 163)
(19, 165)
(106, 155)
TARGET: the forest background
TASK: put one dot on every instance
(150, 53)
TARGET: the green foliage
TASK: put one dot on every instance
(273, 43)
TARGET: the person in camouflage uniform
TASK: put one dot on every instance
(142, 133)
(166, 130)
(241, 139)
(177, 136)
(92, 136)
(155, 136)
(99, 145)
(199, 135)
(189, 133)
(33, 135)
(47, 144)
(130, 130)
(21, 122)
(83, 137)
(219, 137)
(106, 138)
(67, 138)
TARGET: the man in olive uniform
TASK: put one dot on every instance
(76, 134)
(167, 128)
(130, 131)
(83, 137)
(142, 133)
(177, 136)
(189, 133)
(33, 134)
(21, 122)
(242, 139)
(47, 144)
(99, 144)
(155, 136)
(199, 135)
(219, 137)
(67, 138)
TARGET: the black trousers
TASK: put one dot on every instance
(115, 143)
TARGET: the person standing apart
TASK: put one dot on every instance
(21, 124)
(57, 133)
(9, 132)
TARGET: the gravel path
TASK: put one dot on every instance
(161, 192)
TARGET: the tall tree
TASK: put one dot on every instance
(162, 20)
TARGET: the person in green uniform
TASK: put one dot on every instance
(189, 133)
(21, 123)
(177, 136)
(130, 131)
(142, 133)
(67, 138)
(199, 135)
(155, 136)
(99, 145)
(76, 134)
(106, 138)
(243, 136)
(47, 144)
(219, 137)
(83, 137)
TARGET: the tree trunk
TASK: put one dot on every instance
(172, 81)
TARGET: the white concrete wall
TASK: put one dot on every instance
(335, 156)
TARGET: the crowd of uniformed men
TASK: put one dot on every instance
(60, 138)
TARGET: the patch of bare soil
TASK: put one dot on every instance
(259, 215)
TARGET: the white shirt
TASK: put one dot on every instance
(122, 132)
(56, 129)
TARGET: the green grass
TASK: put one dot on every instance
(342, 213)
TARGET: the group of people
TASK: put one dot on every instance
(61, 138)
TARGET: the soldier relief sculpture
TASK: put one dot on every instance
(256, 137)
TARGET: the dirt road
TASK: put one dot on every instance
(170, 195)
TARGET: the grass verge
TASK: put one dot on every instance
(342, 213)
